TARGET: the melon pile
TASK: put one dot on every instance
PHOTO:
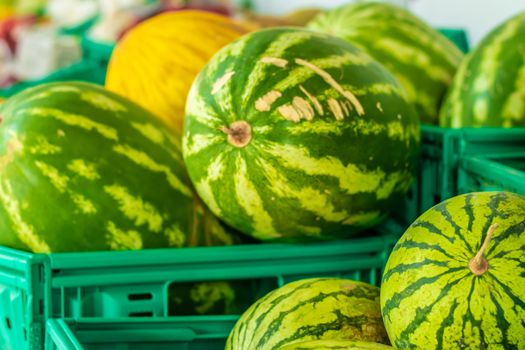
(210, 132)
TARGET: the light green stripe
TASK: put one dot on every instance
(135, 208)
(195, 143)
(176, 238)
(249, 200)
(300, 74)
(351, 178)
(44, 147)
(310, 199)
(276, 49)
(200, 111)
(215, 172)
(101, 101)
(73, 120)
(83, 204)
(118, 239)
(84, 169)
(58, 180)
(150, 132)
(415, 57)
(229, 52)
(25, 232)
(514, 106)
(142, 159)
(454, 101)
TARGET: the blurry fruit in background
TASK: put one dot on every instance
(223, 7)
(296, 18)
(155, 63)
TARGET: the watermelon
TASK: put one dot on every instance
(294, 135)
(456, 278)
(420, 57)
(335, 344)
(83, 169)
(310, 309)
(489, 88)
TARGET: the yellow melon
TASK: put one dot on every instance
(155, 62)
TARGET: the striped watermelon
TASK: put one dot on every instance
(456, 279)
(420, 57)
(489, 88)
(293, 135)
(335, 344)
(84, 169)
(310, 309)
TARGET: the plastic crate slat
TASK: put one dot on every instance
(205, 272)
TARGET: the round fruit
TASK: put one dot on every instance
(156, 61)
(489, 88)
(420, 57)
(84, 169)
(456, 279)
(335, 344)
(310, 309)
(293, 135)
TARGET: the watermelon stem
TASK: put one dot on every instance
(478, 264)
(239, 133)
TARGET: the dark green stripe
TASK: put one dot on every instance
(404, 267)
(469, 211)
(409, 244)
(515, 299)
(397, 298)
(443, 210)
(269, 307)
(447, 322)
(503, 325)
(468, 316)
(493, 206)
(514, 230)
(360, 291)
(319, 329)
(422, 313)
(433, 229)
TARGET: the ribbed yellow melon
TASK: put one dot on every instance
(155, 63)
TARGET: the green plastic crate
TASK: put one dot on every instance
(36, 287)
(99, 54)
(494, 173)
(173, 333)
(442, 152)
(457, 36)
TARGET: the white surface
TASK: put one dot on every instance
(477, 17)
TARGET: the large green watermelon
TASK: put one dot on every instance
(489, 88)
(310, 309)
(456, 279)
(292, 135)
(420, 57)
(335, 344)
(84, 169)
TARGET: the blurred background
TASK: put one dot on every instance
(62, 39)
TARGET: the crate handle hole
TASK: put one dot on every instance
(141, 314)
(8, 322)
(140, 296)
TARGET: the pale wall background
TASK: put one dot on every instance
(477, 17)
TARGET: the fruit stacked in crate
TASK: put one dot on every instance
(289, 135)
